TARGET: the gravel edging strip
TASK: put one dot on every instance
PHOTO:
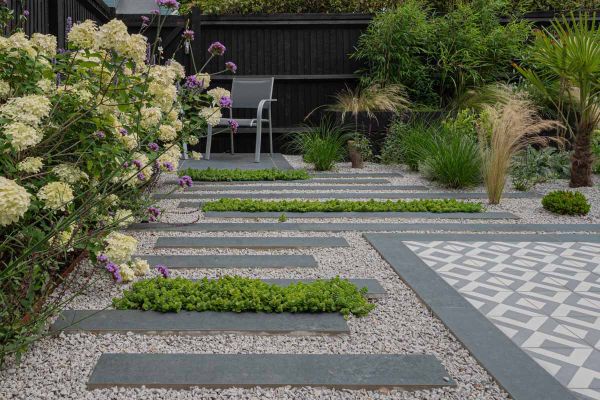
(360, 227)
(514, 370)
(339, 195)
(340, 371)
(199, 323)
(365, 215)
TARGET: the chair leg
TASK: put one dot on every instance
(208, 143)
(258, 139)
(231, 136)
(185, 151)
(270, 132)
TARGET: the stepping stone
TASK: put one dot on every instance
(323, 181)
(363, 215)
(305, 187)
(360, 227)
(340, 371)
(199, 323)
(341, 195)
(353, 175)
(250, 242)
(375, 290)
(233, 261)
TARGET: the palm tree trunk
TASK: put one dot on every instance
(582, 159)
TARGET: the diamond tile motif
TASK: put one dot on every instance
(544, 296)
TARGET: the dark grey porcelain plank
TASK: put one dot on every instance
(251, 242)
(339, 195)
(199, 323)
(232, 261)
(356, 175)
(178, 371)
(303, 187)
(324, 181)
(514, 370)
(364, 215)
(361, 227)
(243, 161)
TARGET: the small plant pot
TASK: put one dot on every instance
(355, 156)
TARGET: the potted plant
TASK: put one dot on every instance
(359, 150)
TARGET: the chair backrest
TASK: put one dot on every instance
(248, 92)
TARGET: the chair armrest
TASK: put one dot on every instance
(261, 106)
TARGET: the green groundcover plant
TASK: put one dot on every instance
(249, 205)
(566, 203)
(238, 294)
(230, 175)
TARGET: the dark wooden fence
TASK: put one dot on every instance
(50, 16)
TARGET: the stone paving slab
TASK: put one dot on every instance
(355, 175)
(340, 371)
(360, 227)
(341, 195)
(514, 370)
(232, 261)
(199, 323)
(243, 161)
(363, 215)
(303, 187)
(250, 242)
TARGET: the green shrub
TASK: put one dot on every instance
(322, 145)
(229, 175)
(453, 160)
(566, 203)
(237, 294)
(249, 205)
(406, 143)
(533, 166)
(362, 144)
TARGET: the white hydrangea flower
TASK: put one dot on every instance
(30, 165)
(177, 69)
(127, 273)
(195, 155)
(218, 93)
(46, 85)
(123, 217)
(56, 195)
(22, 136)
(30, 109)
(172, 156)
(19, 41)
(69, 173)
(4, 89)
(136, 49)
(204, 78)
(167, 133)
(212, 115)
(193, 140)
(119, 247)
(140, 267)
(44, 44)
(14, 201)
(83, 35)
(150, 117)
(114, 36)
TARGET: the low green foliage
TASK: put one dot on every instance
(249, 205)
(533, 166)
(237, 294)
(406, 143)
(282, 218)
(228, 175)
(566, 203)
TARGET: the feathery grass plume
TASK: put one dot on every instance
(505, 129)
(370, 100)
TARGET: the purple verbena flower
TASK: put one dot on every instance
(117, 276)
(185, 181)
(164, 271)
(169, 166)
(137, 163)
(230, 66)
(153, 146)
(102, 258)
(100, 134)
(69, 25)
(217, 49)
(225, 102)
(126, 164)
(145, 21)
(141, 176)
(188, 34)
(154, 213)
(26, 13)
(123, 132)
(192, 82)
(169, 4)
(233, 125)
(155, 12)
(111, 267)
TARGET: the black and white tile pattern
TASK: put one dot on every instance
(544, 296)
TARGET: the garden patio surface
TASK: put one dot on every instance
(474, 313)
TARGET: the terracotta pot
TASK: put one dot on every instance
(355, 156)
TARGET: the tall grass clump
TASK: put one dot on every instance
(407, 142)
(322, 145)
(505, 129)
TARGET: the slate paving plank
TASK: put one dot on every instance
(342, 195)
(244, 161)
(360, 227)
(199, 323)
(179, 371)
(323, 181)
(355, 175)
(232, 261)
(304, 187)
(250, 242)
(364, 215)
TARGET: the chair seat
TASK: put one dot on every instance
(242, 121)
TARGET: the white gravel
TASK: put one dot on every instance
(58, 367)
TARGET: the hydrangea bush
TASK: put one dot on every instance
(84, 133)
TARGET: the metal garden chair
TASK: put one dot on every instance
(249, 93)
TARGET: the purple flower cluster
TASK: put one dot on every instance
(155, 12)
(137, 163)
(154, 213)
(145, 21)
(141, 176)
(170, 4)
(225, 102)
(217, 49)
(123, 132)
(169, 166)
(164, 271)
(100, 135)
(192, 82)
(188, 34)
(126, 164)
(185, 181)
(102, 258)
(230, 66)
(114, 270)
(153, 147)
(233, 125)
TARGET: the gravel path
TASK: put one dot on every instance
(58, 367)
